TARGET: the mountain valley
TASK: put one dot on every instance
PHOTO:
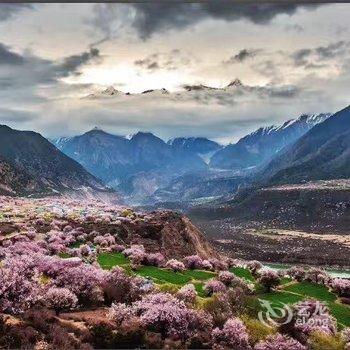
(146, 170)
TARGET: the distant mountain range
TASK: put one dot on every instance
(112, 92)
(263, 144)
(31, 165)
(136, 165)
(226, 94)
(200, 146)
(144, 168)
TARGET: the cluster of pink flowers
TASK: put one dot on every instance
(217, 264)
(296, 272)
(196, 262)
(341, 287)
(187, 293)
(233, 335)
(39, 222)
(19, 284)
(206, 265)
(23, 247)
(254, 266)
(214, 286)
(163, 313)
(59, 299)
(31, 233)
(84, 250)
(268, 278)
(58, 241)
(136, 253)
(175, 265)
(316, 275)
(83, 280)
(118, 248)
(104, 241)
(279, 342)
(154, 259)
(226, 277)
(230, 262)
(193, 262)
(119, 287)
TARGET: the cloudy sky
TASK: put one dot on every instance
(291, 59)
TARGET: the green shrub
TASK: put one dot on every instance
(127, 213)
(217, 308)
(168, 288)
(323, 341)
(257, 330)
(222, 306)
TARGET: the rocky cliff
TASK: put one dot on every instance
(170, 233)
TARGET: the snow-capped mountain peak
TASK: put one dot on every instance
(235, 83)
(161, 91)
(110, 91)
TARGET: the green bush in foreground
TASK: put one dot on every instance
(323, 341)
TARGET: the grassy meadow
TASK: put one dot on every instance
(288, 292)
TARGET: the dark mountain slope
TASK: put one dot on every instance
(306, 187)
(31, 164)
(98, 152)
(116, 159)
(322, 153)
(195, 145)
(12, 180)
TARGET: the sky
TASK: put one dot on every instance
(56, 59)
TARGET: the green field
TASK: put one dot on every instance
(308, 289)
(297, 291)
(243, 273)
(289, 291)
(109, 260)
(160, 276)
(163, 275)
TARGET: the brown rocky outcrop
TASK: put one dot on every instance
(167, 232)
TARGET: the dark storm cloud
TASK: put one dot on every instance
(313, 58)
(9, 10)
(149, 18)
(153, 65)
(150, 62)
(332, 50)
(170, 60)
(7, 56)
(241, 56)
(23, 70)
(300, 57)
(71, 64)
